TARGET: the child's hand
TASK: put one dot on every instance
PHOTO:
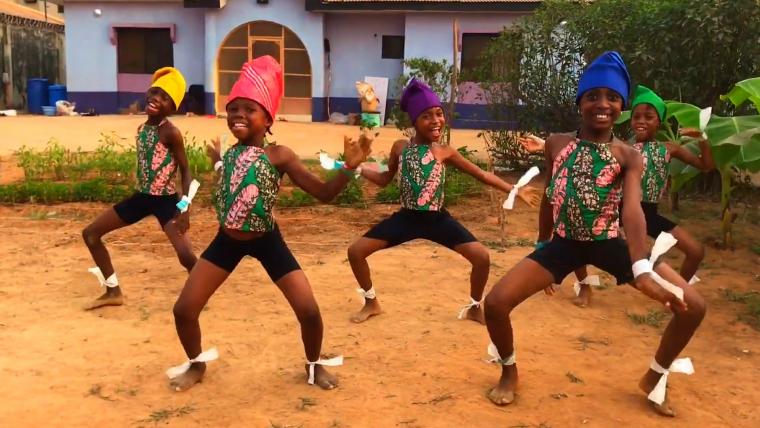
(646, 284)
(532, 143)
(182, 221)
(690, 132)
(530, 195)
(356, 152)
(214, 150)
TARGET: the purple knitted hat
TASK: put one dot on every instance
(417, 98)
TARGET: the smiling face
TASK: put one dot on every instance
(247, 119)
(600, 108)
(645, 122)
(429, 124)
(158, 102)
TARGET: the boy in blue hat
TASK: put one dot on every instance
(591, 174)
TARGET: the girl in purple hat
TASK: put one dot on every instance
(422, 164)
(591, 174)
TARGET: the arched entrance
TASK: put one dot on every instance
(259, 38)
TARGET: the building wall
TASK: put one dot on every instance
(289, 13)
(28, 52)
(91, 62)
(356, 47)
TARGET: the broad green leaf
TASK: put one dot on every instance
(737, 130)
(751, 150)
(625, 116)
(726, 155)
(680, 172)
(687, 115)
(746, 90)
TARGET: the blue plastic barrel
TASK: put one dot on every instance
(36, 95)
(56, 93)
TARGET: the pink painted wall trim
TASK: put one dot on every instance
(172, 30)
(133, 82)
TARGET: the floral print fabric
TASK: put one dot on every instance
(585, 192)
(247, 190)
(656, 162)
(421, 179)
(156, 169)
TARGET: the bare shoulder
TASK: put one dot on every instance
(556, 142)
(279, 155)
(170, 133)
(625, 154)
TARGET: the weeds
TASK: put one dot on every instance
(652, 318)
(164, 415)
(751, 299)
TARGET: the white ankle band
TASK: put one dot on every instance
(203, 357)
(588, 280)
(681, 365)
(493, 352)
(473, 304)
(111, 282)
(369, 294)
(331, 362)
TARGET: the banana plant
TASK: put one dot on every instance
(734, 140)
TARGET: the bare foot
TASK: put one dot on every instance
(188, 379)
(370, 309)
(584, 296)
(647, 384)
(112, 297)
(322, 377)
(475, 313)
(504, 393)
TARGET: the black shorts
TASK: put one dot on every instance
(269, 249)
(140, 205)
(656, 223)
(406, 225)
(562, 256)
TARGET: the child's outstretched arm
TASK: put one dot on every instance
(635, 228)
(355, 153)
(453, 157)
(383, 178)
(703, 162)
(173, 139)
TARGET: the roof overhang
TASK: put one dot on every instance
(423, 5)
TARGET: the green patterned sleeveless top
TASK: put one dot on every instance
(585, 192)
(247, 190)
(156, 168)
(421, 178)
(656, 163)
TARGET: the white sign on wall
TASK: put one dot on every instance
(380, 84)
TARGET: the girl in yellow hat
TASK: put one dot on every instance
(160, 152)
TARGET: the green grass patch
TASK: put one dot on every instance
(653, 318)
(751, 300)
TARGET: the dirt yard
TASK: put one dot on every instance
(305, 138)
(414, 366)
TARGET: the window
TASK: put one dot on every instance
(474, 45)
(393, 47)
(144, 50)
(60, 9)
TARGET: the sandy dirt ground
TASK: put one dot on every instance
(85, 132)
(414, 366)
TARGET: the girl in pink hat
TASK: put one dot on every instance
(421, 163)
(249, 178)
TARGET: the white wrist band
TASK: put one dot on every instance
(218, 165)
(641, 267)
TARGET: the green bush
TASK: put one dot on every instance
(389, 194)
(49, 192)
(297, 198)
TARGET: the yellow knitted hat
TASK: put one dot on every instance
(172, 82)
